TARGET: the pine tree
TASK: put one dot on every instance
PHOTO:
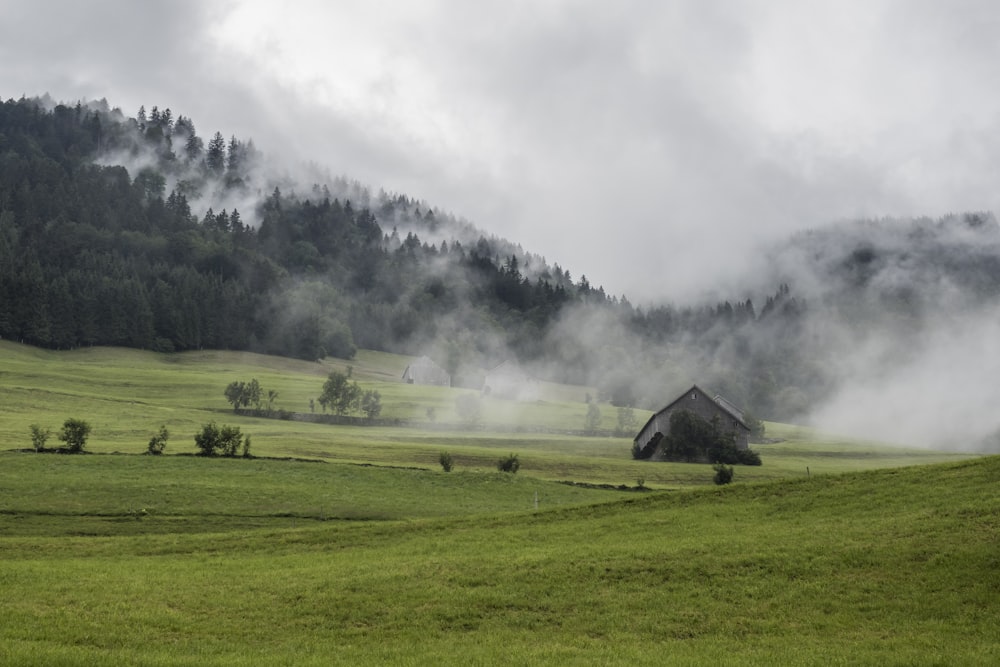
(216, 155)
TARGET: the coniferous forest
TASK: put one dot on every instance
(140, 231)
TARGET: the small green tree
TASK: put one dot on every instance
(340, 394)
(158, 442)
(371, 404)
(254, 393)
(230, 440)
(207, 440)
(349, 399)
(236, 394)
(74, 433)
(447, 463)
(39, 436)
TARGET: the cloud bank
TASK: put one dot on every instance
(682, 135)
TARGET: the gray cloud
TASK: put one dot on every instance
(652, 146)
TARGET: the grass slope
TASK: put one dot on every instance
(121, 495)
(127, 394)
(128, 559)
(880, 567)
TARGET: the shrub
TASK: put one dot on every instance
(723, 473)
(74, 433)
(207, 441)
(509, 464)
(230, 440)
(39, 436)
(158, 442)
(446, 461)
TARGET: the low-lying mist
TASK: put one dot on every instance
(884, 329)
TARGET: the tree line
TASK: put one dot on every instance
(94, 254)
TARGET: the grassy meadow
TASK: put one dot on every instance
(350, 545)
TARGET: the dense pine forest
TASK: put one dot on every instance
(138, 231)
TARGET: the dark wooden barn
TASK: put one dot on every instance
(707, 406)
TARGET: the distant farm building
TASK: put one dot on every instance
(425, 371)
(508, 381)
(705, 405)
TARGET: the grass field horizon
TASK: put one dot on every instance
(350, 545)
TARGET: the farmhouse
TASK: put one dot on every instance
(425, 371)
(705, 405)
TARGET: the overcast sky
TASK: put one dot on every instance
(650, 145)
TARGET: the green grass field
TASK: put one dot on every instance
(350, 545)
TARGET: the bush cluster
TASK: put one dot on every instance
(74, 433)
(226, 440)
(343, 396)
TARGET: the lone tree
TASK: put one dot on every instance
(39, 436)
(74, 433)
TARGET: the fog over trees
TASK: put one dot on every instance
(143, 231)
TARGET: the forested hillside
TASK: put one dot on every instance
(141, 232)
